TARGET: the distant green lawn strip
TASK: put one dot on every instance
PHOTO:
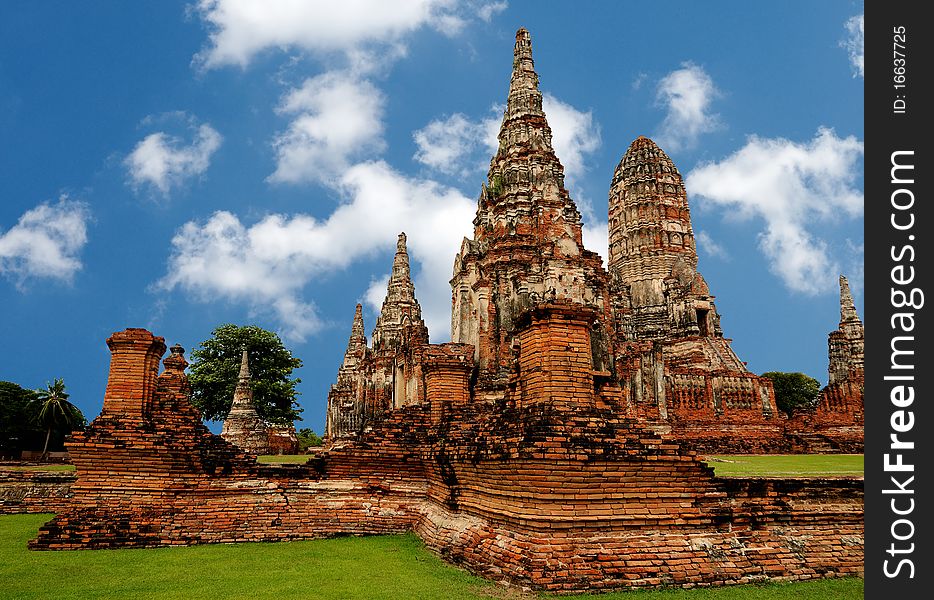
(48, 467)
(378, 567)
(786, 465)
(724, 465)
(283, 458)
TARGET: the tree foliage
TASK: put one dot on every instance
(54, 411)
(307, 438)
(19, 426)
(216, 365)
(794, 390)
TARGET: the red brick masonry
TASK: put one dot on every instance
(541, 493)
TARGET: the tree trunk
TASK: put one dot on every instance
(45, 448)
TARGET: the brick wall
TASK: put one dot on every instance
(34, 491)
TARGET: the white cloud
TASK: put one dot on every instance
(164, 161)
(268, 265)
(854, 43)
(574, 134)
(338, 116)
(707, 245)
(456, 145)
(597, 237)
(686, 94)
(794, 188)
(240, 29)
(45, 242)
(376, 293)
(486, 10)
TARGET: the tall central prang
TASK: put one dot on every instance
(527, 248)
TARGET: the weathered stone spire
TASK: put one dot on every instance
(524, 102)
(846, 343)
(357, 342)
(356, 348)
(847, 307)
(244, 377)
(176, 362)
(527, 248)
(243, 426)
(525, 176)
(400, 308)
(401, 288)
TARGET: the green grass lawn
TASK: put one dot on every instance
(784, 465)
(391, 567)
(45, 467)
(283, 458)
(739, 465)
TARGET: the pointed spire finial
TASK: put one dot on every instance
(244, 367)
(400, 295)
(524, 97)
(847, 306)
(523, 44)
(357, 321)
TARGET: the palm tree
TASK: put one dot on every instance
(54, 410)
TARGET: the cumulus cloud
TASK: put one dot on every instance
(707, 245)
(337, 116)
(45, 242)
(575, 134)
(376, 293)
(240, 29)
(269, 264)
(164, 161)
(486, 10)
(596, 236)
(791, 187)
(854, 43)
(458, 145)
(686, 94)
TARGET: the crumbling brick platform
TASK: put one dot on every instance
(537, 495)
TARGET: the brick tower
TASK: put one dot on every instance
(671, 348)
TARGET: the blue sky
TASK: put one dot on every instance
(180, 165)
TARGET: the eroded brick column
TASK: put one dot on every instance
(134, 367)
(447, 369)
(555, 359)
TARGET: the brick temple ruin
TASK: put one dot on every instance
(657, 348)
(540, 447)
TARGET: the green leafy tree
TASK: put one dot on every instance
(55, 412)
(794, 390)
(307, 438)
(216, 365)
(18, 430)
